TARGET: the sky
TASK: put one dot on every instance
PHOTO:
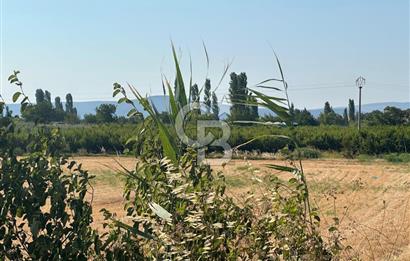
(83, 47)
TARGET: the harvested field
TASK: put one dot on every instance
(371, 198)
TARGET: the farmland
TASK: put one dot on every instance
(371, 198)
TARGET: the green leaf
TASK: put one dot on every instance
(168, 146)
(24, 106)
(180, 88)
(332, 229)
(132, 112)
(24, 100)
(116, 92)
(133, 231)
(172, 102)
(122, 100)
(14, 80)
(16, 96)
(270, 104)
(280, 167)
(19, 212)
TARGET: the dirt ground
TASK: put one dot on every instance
(371, 199)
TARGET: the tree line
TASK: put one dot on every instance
(389, 116)
(243, 108)
(43, 110)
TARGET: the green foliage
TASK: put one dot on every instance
(389, 116)
(215, 106)
(345, 117)
(398, 157)
(330, 117)
(113, 137)
(352, 114)
(178, 209)
(244, 105)
(207, 95)
(44, 214)
(197, 220)
(105, 113)
(304, 118)
(194, 93)
(43, 111)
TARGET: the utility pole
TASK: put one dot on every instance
(360, 82)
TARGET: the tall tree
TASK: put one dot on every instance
(304, 117)
(39, 96)
(69, 105)
(105, 113)
(327, 109)
(351, 111)
(207, 95)
(58, 111)
(195, 99)
(47, 97)
(194, 93)
(329, 117)
(58, 104)
(215, 106)
(238, 95)
(345, 117)
(253, 109)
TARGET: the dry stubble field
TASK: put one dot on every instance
(370, 198)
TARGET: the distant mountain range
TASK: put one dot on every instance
(161, 103)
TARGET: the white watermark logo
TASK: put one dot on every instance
(203, 139)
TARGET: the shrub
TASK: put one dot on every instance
(306, 153)
(44, 214)
(397, 157)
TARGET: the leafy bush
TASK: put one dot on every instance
(397, 157)
(306, 153)
(44, 214)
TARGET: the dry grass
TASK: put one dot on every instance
(372, 198)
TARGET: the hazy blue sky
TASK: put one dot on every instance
(83, 47)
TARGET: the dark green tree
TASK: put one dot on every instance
(70, 111)
(69, 105)
(42, 111)
(215, 106)
(394, 116)
(351, 111)
(253, 109)
(194, 93)
(47, 97)
(345, 117)
(105, 113)
(304, 118)
(374, 118)
(195, 99)
(39, 96)
(327, 109)
(58, 104)
(207, 95)
(238, 94)
(329, 116)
